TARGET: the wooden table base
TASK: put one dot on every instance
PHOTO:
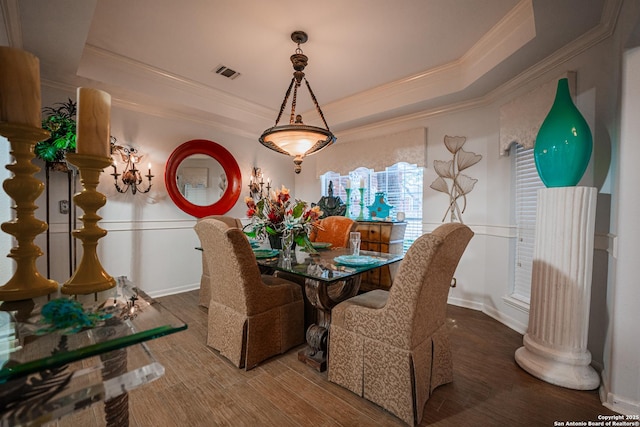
(324, 297)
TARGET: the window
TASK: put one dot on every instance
(402, 184)
(527, 183)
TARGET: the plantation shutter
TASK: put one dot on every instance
(402, 184)
(527, 184)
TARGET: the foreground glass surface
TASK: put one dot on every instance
(45, 374)
(323, 265)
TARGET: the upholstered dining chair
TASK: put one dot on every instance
(205, 287)
(251, 317)
(334, 230)
(392, 347)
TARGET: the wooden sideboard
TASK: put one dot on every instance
(380, 236)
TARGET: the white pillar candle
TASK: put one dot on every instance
(19, 87)
(94, 122)
(361, 182)
(348, 183)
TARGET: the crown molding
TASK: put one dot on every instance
(11, 17)
(167, 95)
(106, 66)
(506, 37)
(514, 30)
(591, 38)
(138, 103)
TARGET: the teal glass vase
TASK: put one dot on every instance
(564, 143)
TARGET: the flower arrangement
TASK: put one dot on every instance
(278, 214)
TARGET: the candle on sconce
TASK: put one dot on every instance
(93, 128)
(20, 87)
(361, 182)
(149, 165)
(348, 183)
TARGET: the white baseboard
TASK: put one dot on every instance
(508, 321)
(172, 291)
(616, 403)
(459, 302)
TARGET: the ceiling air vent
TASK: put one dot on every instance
(227, 72)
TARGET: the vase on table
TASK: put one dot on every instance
(564, 142)
(275, 240)
(288, 245)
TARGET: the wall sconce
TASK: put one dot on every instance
(256, 184)
(131, 176)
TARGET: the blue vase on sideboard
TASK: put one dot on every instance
(564, 143)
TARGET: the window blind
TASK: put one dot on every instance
(527, 184)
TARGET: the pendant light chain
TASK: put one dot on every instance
(297, 139)
(292, 117)
(284, 103)
(315, 101)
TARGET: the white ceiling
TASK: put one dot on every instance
(369, 60)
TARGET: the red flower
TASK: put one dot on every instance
(274, 218)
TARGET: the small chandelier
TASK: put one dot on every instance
(131, 177)
(297, 139)
(256, 184)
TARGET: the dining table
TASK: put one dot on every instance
(330, 276)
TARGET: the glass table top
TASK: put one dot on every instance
(328, 265)
(29, 345)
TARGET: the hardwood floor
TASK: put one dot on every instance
(201, 388)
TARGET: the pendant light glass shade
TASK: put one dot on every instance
(297, 139)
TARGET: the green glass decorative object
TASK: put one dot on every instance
(564, 142)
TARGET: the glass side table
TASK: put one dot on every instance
(45, 374)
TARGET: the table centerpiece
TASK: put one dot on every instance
(278, 215)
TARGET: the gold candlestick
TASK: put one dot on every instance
(89, 277)
(24, 189)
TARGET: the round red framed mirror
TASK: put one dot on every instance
(199, 176)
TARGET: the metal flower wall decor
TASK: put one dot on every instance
(461, 184)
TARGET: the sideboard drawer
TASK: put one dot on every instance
(380, 236)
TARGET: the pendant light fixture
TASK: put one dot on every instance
(297, 139)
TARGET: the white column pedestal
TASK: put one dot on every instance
(555, 345)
